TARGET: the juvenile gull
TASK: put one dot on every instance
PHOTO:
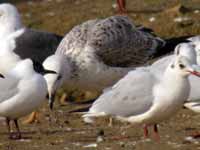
(143, 98)
(21, 91)
(100, 52)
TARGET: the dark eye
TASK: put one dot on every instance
(59, 77)
(181, 66)
(172, 66)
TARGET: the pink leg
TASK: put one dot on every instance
(195, 135)
(146, 133)
(122, 6)
(155, 130)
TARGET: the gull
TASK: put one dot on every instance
(193, 102)
(191, 51)
(21, 91)
(22, 41)
(99, 52)
(196, 41)
(141, 97)
(18, 42)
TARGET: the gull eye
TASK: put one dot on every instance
(59, 77)
(172, 66)
(181, 66)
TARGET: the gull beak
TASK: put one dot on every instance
(49, 71)
(51, 98)
(195, 70)
(1, 76)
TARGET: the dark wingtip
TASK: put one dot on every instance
(84, 109)
(170, 45)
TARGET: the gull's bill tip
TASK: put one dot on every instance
(194, 70)
(51, 100)
(49, 72)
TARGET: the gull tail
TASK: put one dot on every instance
(89, 117)
(82, 110)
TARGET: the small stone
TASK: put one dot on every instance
(152, 19)
(99, 139)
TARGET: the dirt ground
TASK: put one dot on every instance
(64, 131)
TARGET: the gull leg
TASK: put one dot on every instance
(62, 99)
(155, 130)
(18, 135)
(195, 135)
(33, 117)
(122, 6)
(110, 122)
(8, 126)
(146, 132)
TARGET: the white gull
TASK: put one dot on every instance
(141, 97)
(21, 91)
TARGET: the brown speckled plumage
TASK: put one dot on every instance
(115, 41)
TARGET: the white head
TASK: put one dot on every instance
(197, 49)
(10, 19)
(195, 39)
(59, 64)
(183, 67)
(27, 67)
(187, 50)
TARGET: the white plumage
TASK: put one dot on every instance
(22, 91)
(143, 97)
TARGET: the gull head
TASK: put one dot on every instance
(59, 64)
(184, 67)
(197, 49)
(27, 67)
(10, 19)
(187, 50)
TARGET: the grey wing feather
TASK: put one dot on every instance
(132, 95)
(8, 88)
(76, 38)
(36, 44)
(117, 42)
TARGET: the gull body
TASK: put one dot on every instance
(193, 103)
(141, 97)
(23, 90)
(190, 51)
(100, 52)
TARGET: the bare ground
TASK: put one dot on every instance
(61, 130)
